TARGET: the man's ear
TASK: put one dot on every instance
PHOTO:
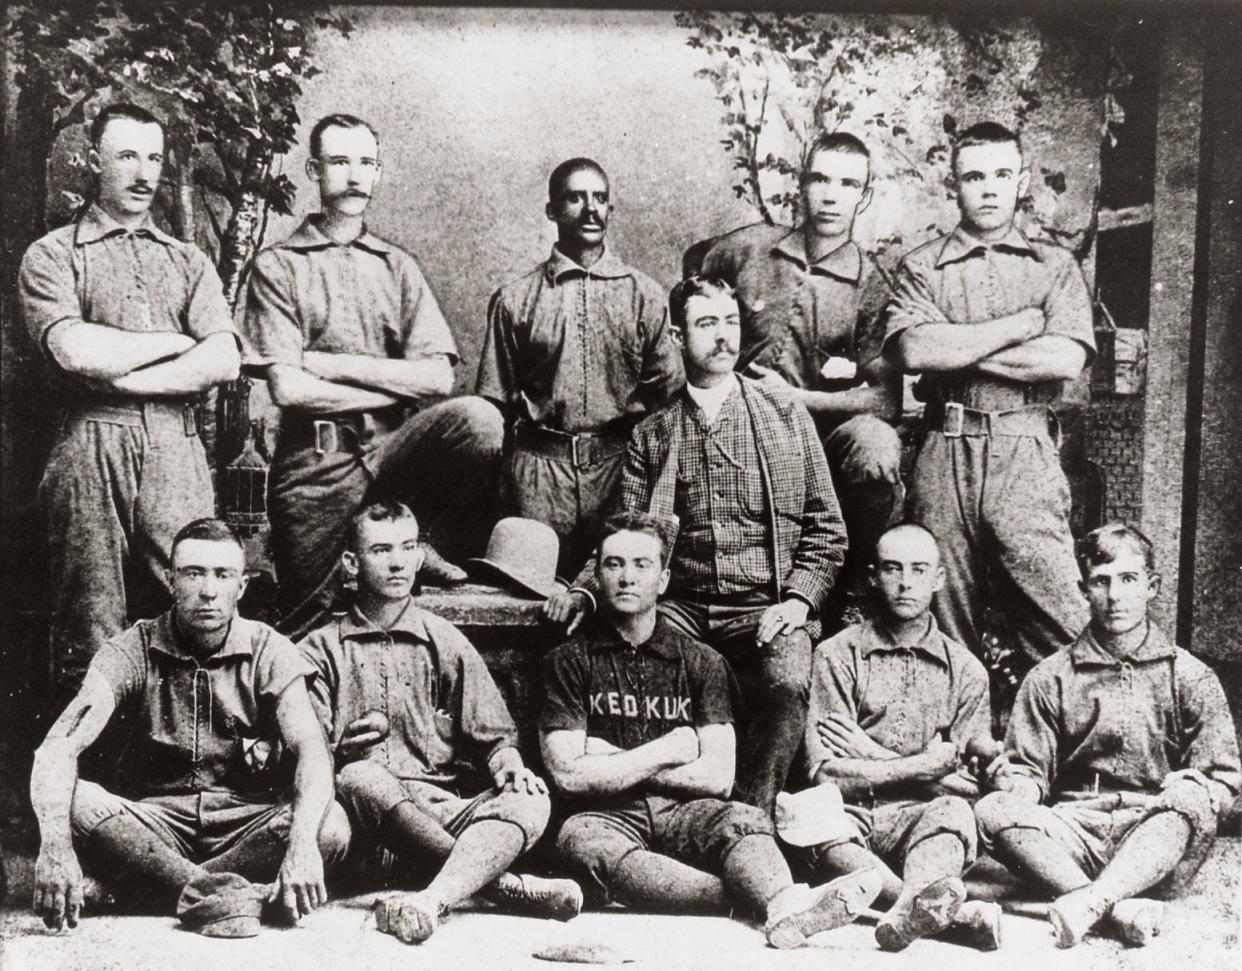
(93, 161)
(349, 562)
(679, 338)
(868, 194)
(1154, 581)
(940, 579)
(242, 585)
(1024, 182)
(1082, 588)
(665, 575)
(313, 171)
(550, 211)
(419, 558)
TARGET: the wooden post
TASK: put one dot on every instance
(1175, 222)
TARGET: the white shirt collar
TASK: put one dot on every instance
(711, 400)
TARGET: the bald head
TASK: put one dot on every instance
(906, 572)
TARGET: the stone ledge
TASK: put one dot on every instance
(477, 605)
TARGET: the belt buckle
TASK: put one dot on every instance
(954, 419)
(326, 437)
(573, 451)
(189, 419)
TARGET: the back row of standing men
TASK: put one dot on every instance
(356, 352)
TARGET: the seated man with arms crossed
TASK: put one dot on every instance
(200, 687)
(1120, 753)
(636, 731)
(408, 704)
(923, 699)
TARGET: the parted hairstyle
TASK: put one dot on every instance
(560, 175)
(376, 512)
(694, 286)
(338, 120)
(121, 109)
(208, 528)
(838, 141)
(984, 133)
(1103, 545)
(634, 522)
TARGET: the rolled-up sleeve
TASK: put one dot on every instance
(912, 281)
(834, 681)
(496, 379)
(46, 287)
(271, 333)
(1067, 308)
(1031, 739)
(427, 333)
(207, 312)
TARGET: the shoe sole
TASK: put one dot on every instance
(839, 903)
(932, 911)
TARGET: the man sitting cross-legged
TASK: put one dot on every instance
(1119, 754)
(203, 690)
(894, 703)
(636, 732)
(409, 706)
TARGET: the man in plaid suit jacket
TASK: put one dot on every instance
(736, 464)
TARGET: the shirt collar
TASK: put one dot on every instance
(166, 640)
(309, 236)
(607, 267)
(603, 637)
(357, 624)
(96, 224)
(1088, 652)
(844, 262)
(711, 401)
(876, 637)
(960, 245)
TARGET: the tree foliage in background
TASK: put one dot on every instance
(782, 78)
(226, 76)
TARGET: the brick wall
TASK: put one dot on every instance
(1114, 433)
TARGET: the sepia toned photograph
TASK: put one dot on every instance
(694, 486)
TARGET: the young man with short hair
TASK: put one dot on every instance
(135, 327)
(576, 352)
(812, 304)
(358, 356)
(997, 323)
(761, 539)
(411, 710)
(1120, 756)
(200, 688)
(636, 732)
(924, 701)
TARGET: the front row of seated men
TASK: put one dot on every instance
(1118, 757)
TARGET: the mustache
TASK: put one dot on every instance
(350, 194)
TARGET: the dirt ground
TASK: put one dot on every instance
(1202, 934)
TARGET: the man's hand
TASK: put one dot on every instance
(519, 778)
(842, 737)
(1033, 318)
(941, 758)
(680, 746)
(299, 886)
(58, 887)
(370, 729)
(570, 607)
(766, 374)
(782, 618)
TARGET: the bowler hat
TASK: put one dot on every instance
(813, 816)
(521, 553)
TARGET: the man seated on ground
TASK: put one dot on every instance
(203, 691)
(636, 732)
(761, 540)
(410, 707)
(923, 699)
(1120, 755)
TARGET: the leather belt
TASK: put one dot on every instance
(336, 433)
(582, 449)
(138, 412)
(954, 420)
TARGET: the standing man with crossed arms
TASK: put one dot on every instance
(997, 323)
(135, 326)
(357, 356)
